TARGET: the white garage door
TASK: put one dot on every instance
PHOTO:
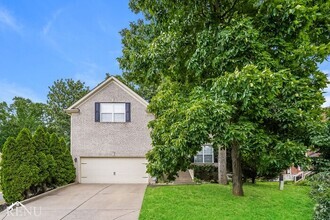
(113, 170)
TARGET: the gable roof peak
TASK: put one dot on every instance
(102, 85)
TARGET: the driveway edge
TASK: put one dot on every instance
(26, 201)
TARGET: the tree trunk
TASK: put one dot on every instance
(237, 170)
(253, 180)
(222, 166)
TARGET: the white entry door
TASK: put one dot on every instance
(113, 170)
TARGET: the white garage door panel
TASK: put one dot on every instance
(113, 170)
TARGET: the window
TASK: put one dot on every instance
(112, 112)
(205, 155)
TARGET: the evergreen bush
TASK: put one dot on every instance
(19, 171)
(42, 150)
(66, 172)
(32, 164)
(11, 188)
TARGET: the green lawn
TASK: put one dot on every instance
(212, 201)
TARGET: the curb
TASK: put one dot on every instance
(26, 201)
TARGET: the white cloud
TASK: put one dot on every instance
(47, 27)
(90, 74)
(9, 20)
(10, 90)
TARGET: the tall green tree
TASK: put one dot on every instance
(240, 49)
(5, 132)
(22, 113)
(62, 94)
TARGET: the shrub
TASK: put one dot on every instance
(27, 159)
(9, 172)
(55, 152)
(41, 145)
(206, 172)
(321, 194)
(28, 165)
(66, 170)
(19, 168)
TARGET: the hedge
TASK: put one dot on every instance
(32, 164)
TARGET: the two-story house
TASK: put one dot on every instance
(109, 135)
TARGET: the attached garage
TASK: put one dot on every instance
(113, 170)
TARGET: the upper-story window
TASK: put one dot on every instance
(112, 112)
(206, 155)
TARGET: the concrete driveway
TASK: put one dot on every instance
(85, 201)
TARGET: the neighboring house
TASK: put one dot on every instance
(109, 135)
(295, 173)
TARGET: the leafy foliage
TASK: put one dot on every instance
(321, 194)
(239, 106)
(62, 94)
(22, 113)
(238, 74)
(192, 42)
(321, 141)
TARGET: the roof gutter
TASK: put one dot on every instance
(73, 110)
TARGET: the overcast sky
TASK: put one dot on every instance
(42, 41)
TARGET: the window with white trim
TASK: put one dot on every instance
(206, 155)
(112, 112)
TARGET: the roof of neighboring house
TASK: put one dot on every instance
(313, 154)
(73, 108)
